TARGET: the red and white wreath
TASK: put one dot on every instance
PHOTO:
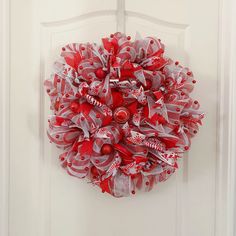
(123, 114)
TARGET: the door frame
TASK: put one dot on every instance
(226, 117)
(4, 115)
(226, 158)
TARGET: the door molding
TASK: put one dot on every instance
(4, 114)
(226, 162)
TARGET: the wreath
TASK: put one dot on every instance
(122, 112)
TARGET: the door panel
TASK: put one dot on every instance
(57, 204)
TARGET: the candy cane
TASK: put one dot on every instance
(156, 146)
(93, 101)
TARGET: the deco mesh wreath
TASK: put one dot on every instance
(122, 112)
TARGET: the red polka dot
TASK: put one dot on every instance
(194, 81)
(133, 192)
(128, 37)
(186, 148)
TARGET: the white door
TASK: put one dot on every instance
(43, 199)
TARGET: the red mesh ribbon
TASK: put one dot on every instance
(122, 112)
